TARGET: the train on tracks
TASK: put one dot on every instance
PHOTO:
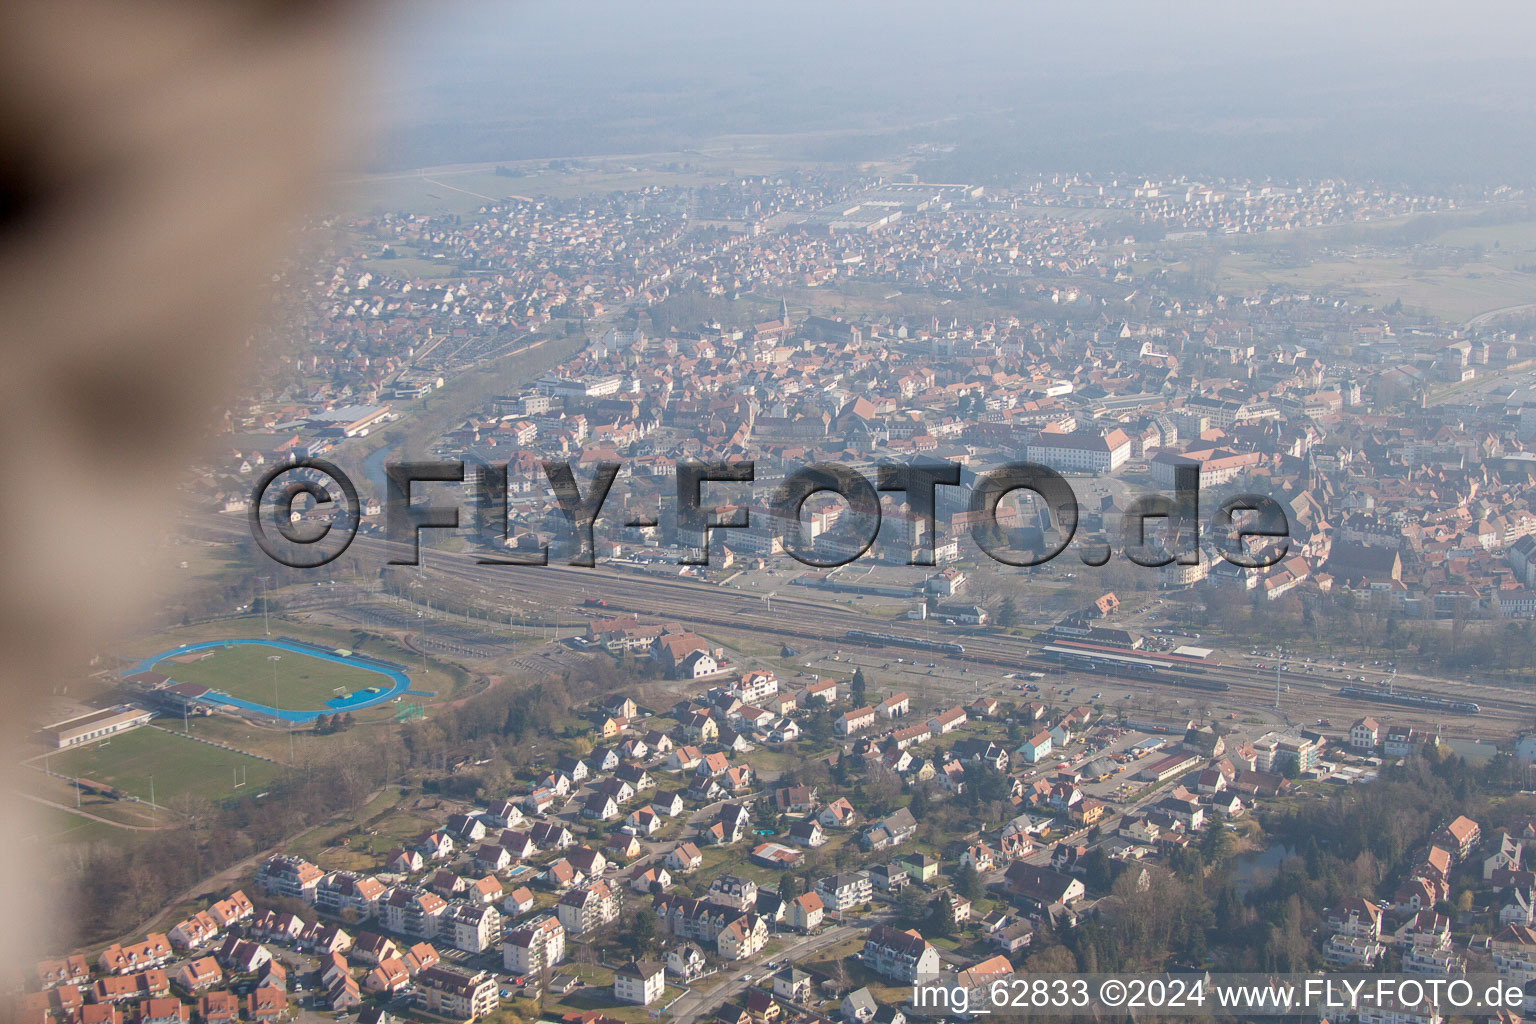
(865, 636)
(1172, 669)
(1411, 700)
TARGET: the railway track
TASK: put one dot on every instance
(704, 605)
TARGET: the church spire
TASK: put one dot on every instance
(784, 310)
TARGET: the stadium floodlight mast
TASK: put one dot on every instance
(266, 623)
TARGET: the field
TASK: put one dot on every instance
(180, 766)
(442, 678)
(55, 826)
(462, 189)
(303, 683)
(1454, 294)
(1451, 270)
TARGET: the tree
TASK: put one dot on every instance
(1007, 613)
(985, 785)
(857, 688)
(640, 934)
(911, 904)
(1054, 960)
(840, 771)
(968, 882)
(941, 914)
(789, 886)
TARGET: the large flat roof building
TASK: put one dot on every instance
(96, 725)
(1082, 451)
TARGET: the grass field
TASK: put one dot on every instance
(180, 766)
(443, 678)
(303, 683)
(62, 827)
(1481, 269)
(462, 189)
(1451, 293)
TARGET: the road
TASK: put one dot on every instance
(1494, 314)
(695, 1004)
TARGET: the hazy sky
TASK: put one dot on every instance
(1392, 89)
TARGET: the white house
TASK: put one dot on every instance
(639, 982)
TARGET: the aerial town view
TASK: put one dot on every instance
(699, 638)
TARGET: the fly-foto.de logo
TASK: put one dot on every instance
(1249, 530)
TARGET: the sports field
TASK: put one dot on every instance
(244, 671)
(51, 825)
(179, 766)
(284, 679)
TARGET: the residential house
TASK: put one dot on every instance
(805, 912)
(234, 908)
(793, 984)
(892, 830)
(289, 876)
(266, 1003)
(853, 721)
(733, 891)
(457, 994)
(471, 926)
(837, 814)
(339, 892)
(588, 908)
(901, 956)
(744, 937)
(639, 982)
(685, 858)
(648, 879)
(154, 951)
(214, 1008)
(1352, 952)
(844, 891)
(686, 962)
(891, 878)
(1041, 887)
(1507, 857)
(1365, 734)
(1356, 918)
(551, 835)
(807, 833)
(531, 948)
(1035, 749)
(194, 932)
(198, 975)
(858, 1007)
(1460, 836)
(517, 902)
(390, 975)
(947, 721)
